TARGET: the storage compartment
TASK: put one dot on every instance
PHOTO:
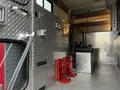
(87, 60)
(10, 54)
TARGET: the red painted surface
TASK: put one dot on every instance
(57, 65)
(61, 71)
(64, 69)
(2, 66)
(70, 72)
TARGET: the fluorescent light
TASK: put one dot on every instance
(98, 20)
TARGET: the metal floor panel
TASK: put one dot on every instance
(106, 78)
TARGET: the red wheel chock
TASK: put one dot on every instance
(61, 71)
(64, 69)
(69, 64)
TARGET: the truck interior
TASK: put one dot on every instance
(37, 36)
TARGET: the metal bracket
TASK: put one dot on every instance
(3, 15)
(18, 10)
(21, 2)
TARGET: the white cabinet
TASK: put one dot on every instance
(83, 60)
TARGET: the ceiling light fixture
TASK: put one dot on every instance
(99, 20)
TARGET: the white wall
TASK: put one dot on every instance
(105, 42)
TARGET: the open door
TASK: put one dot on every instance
(10, 55)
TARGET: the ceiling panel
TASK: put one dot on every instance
(81, 4)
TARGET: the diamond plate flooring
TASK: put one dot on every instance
(106, 77)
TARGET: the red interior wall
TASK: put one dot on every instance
(2, 67)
